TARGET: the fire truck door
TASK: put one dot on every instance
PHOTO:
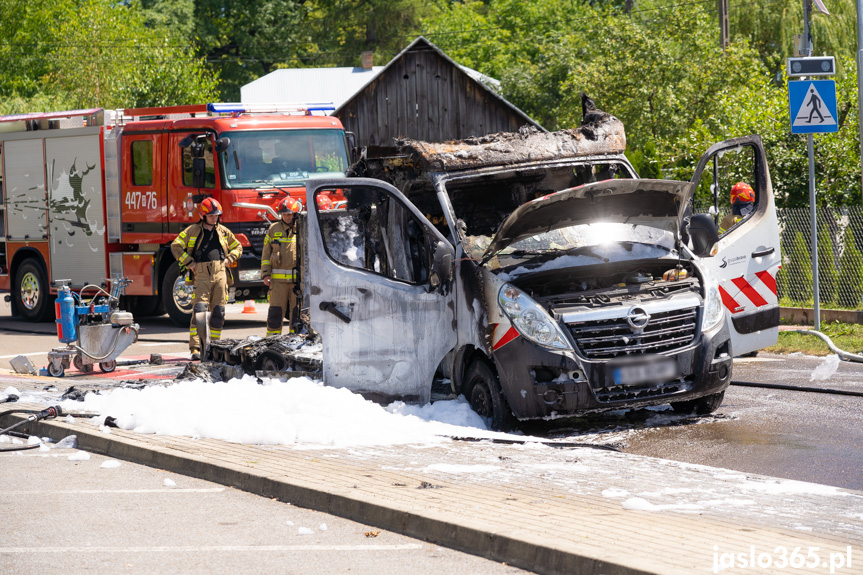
(143, 202)
(183, 196)
(76, 214)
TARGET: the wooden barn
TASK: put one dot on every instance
(423, 94)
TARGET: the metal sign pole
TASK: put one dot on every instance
(814, 225)
(807, 43)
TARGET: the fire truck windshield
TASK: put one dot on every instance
(265, 158)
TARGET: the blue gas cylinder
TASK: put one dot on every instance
(67, 319)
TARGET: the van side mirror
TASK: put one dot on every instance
(703, 233)
(441, 272)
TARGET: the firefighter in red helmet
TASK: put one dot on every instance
(277, 266)
(742, 204)
(206, 249)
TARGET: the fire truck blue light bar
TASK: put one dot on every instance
(239, 108)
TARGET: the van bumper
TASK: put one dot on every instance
(539, 383)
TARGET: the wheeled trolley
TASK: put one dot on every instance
(101, 330)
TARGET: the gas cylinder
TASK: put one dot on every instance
(67, 320)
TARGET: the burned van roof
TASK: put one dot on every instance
(600, 133)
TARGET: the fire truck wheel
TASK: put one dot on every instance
(486, 397)
(30, 292)
(177, 296)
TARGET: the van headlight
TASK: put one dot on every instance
(714, 311)
(530, 319)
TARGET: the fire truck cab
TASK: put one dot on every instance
(89, 194)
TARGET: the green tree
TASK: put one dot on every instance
(770, 27)
(95, 53)
(850, 272)
(246, 39)
(342, 29)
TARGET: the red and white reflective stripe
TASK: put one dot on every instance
(761, 291)
(502, 335)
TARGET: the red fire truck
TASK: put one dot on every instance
(89, 194)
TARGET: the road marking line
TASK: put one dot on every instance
(101, 491)
(211, 548)
(25, 354)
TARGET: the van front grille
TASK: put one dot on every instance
(664, 332)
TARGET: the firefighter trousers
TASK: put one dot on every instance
(283, 300)
(211, 288)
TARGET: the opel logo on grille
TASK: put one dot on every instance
(637, 318)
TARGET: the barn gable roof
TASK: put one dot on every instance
(481, 80)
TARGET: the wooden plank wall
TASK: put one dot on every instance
(424, 96)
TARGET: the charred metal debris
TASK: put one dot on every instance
(278, 356)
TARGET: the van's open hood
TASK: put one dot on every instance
(655, 203)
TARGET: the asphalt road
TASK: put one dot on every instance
(790, 434)
(800, 435)
(68, 516)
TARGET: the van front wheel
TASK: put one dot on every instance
(486, 398)
(701, 406)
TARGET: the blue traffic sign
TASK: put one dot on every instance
(812, 106)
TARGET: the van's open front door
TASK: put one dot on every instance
(379, 290)
(747, 258)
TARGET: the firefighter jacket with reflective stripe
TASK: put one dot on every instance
(280, 252)
(183, 247)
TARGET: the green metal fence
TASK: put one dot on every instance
(840, 262)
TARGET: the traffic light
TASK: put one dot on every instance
(812, 66)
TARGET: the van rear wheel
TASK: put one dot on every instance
(486, 398)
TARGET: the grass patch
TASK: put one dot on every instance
(846, 336)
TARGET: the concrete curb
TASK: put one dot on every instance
(531, 555)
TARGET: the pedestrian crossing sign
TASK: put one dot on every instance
(812, 106)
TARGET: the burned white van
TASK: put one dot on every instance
(536, 274)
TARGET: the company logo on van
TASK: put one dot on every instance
(731, 261)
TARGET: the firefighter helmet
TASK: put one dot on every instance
(742, 192)
(210, 207)
(324, 202)
(289, 205)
